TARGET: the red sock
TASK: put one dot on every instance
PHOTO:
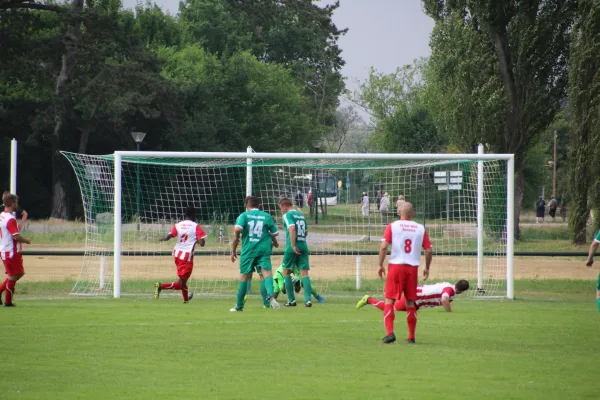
(184, 292)
(388, 318)
(377, 303)
(411, 320)
(10, 291)
(3, 286)
(171, 286)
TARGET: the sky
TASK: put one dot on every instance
(384, 34)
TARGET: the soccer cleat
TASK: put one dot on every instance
(9, 305)
(362, 302)
(245, 299)
(157, 289)
(320, 299)
(234, 309)
(290, 304)
(389, 339)
(297, 286)
(308, 304)
(191, 296)
(274, 304)
(410, 341)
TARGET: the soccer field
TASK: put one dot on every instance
(135, 348)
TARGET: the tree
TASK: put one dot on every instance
(584, 104)
(530, 42)
(347, 120)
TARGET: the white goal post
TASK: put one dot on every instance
(306, 159)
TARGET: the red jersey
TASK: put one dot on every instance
(187, 234)
(8, 228)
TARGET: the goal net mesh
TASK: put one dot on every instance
(344, 229)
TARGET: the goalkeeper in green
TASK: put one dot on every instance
(279, 284)
(296, 252)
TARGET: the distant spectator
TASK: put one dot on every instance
(364, 202)
(378, 199)
(563, 208)
(540, 210)
(553, 206)
(299, 199)
(310, 198)
(399, 203)
(384, 208)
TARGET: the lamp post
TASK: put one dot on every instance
(138, 137)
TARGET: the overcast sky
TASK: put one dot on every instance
(384, 34)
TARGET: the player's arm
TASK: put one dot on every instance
(382, 254)
(21, 239)
(446, 302)
(13, 229)
(168, 236)
(292, 233)
(24, 216)
(592, 250)
(237, 233)
(428, 255)
(274, 232)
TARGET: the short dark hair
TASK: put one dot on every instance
(9, 199)
(285, 201)
(253, 201)
(462, 285)
(190, 212)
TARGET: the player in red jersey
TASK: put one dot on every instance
(187, 233)
(10, 248)
(406, 237)
(428, 296)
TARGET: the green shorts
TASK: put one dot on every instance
(278, 283)
(256, 263)
(598, 283)
(292, 260)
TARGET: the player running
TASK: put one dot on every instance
(296, 252)
(187, 233)
(259, 236)
(279, 284)
(428, 296)
(10, 248)
(406, 237)
(590, 262)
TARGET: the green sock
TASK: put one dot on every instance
(598, 302)
(269, 285)
(307, 288)
(242, 289)
(263, 293)
(289, 288)
(249, 284)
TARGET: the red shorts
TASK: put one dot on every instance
(184, 268)
(401, 279)
(14, 266)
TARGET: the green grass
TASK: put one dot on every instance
(135, 348)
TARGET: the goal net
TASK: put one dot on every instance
(347, 199)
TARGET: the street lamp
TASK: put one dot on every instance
(138, 137)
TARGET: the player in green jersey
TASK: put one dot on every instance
(279, 284)
(590, 261)
(296, 252)
(259, 235)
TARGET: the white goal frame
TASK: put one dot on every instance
(250, 156)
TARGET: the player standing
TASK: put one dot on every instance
(10, 248)
(259, 236)
(428, 296)
(188, 233)
(406, 237)
(296, 252)
(590, 261)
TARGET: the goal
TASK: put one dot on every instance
(130, 199)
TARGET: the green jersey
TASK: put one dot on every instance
(295, 218)
(257, 228)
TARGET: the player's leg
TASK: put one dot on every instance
(267, 270)
(392, 290)
(246, 269)
(15, 271)
(304, 267)
(598, 292)
(411, 280)
(289, 261)
(159, 287)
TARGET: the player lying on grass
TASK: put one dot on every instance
(590, 262)
(10, 248)
(428, 296)
(279, 284)
(188, 233)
